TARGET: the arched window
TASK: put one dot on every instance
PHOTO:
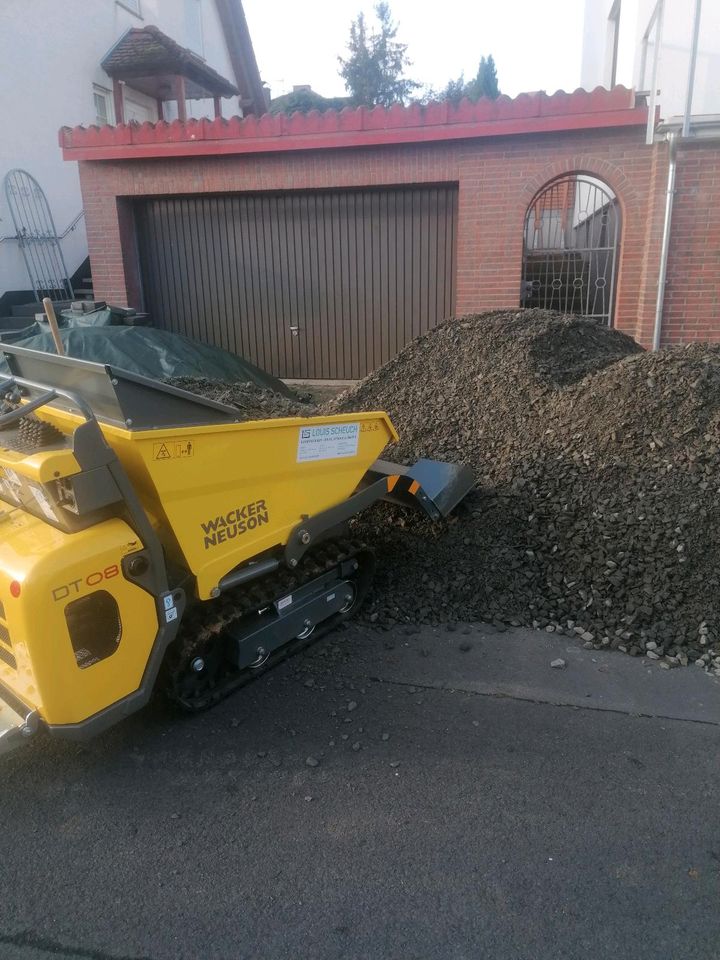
(572, 232)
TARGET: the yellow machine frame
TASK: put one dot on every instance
(149, 496)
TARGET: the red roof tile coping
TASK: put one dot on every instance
(361, 126)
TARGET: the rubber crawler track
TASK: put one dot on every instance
(203, 632)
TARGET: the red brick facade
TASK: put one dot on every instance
(497, 177)
(692, 298)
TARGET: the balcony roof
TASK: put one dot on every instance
(529, 113)
(145, 58)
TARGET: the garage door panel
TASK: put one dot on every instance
(357, 273)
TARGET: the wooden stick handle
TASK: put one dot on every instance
(54, 329)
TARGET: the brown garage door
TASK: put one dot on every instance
(305, 284)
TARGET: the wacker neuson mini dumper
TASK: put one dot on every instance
(147, 537)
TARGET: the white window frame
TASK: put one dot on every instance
(131, 102)
(132, 6)
(611, 43)
(198, 6)
(655, 22)
(100, 91)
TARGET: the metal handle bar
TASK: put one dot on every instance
(49, 394)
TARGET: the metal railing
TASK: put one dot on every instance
(61, 236)
(37, 237)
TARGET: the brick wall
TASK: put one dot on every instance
(497, 179)
(692, 293)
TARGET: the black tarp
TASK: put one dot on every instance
(10, 332)
(153, 353)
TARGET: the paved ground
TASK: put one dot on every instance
(494, 821)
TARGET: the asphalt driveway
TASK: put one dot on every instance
(408, 795)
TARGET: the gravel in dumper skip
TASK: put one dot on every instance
(251, 401)
(598, 469)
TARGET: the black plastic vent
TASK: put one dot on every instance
(33, 434)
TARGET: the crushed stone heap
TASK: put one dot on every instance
(598, 468)
(252, 402)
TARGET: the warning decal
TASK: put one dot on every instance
(328, 442)
(171, 612)
(173, 450)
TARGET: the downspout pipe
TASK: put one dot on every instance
(665, 248)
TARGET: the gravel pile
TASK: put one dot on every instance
(253, 402)
(598, 471)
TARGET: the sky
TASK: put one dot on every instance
(536, 43)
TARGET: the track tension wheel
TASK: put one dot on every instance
(223, 644)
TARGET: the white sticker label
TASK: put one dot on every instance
(284, 602)
(11, 483)
(328, 442)
(10, 490)
(170, 614)
(169, 602)
(43, 502)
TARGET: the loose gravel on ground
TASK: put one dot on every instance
(596, 511)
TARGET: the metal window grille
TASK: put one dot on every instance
(572, 231)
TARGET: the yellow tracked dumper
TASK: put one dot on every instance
(147, 537)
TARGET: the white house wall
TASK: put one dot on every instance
(706, 96)
(628, 45)
(594, 69)
(50, 51)
(674, 55)
(593, 51)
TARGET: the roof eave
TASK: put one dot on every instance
(175, 60)
(242, 55)
(329, 130)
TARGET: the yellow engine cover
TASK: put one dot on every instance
(75, 635)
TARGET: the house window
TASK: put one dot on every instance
(132, 5)
(103, 105)
(193, 26)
